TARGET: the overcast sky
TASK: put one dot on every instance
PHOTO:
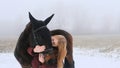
(75, 16)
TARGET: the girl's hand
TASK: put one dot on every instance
(39, 48)
(41, 58)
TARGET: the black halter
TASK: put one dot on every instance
(34, 36)
(50, 50)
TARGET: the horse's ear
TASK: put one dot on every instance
(48, 19)
(31, 17)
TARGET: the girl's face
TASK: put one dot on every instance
(54, 41)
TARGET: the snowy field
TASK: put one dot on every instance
(93, 59)
(82, 60)
(89, 52)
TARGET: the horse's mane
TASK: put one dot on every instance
(25, 34)
(22, 45)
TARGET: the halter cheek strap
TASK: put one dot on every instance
(34, 38)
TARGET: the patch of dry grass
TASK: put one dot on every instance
(7, 45)
(106, 43)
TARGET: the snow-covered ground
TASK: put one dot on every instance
(94, 59)
(83, 59)
(7, 60)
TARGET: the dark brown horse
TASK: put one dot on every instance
(35, 33)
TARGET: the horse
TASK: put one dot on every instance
(35, 33)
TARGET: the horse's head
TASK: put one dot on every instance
(40, 34)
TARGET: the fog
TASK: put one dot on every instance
(75, 16)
